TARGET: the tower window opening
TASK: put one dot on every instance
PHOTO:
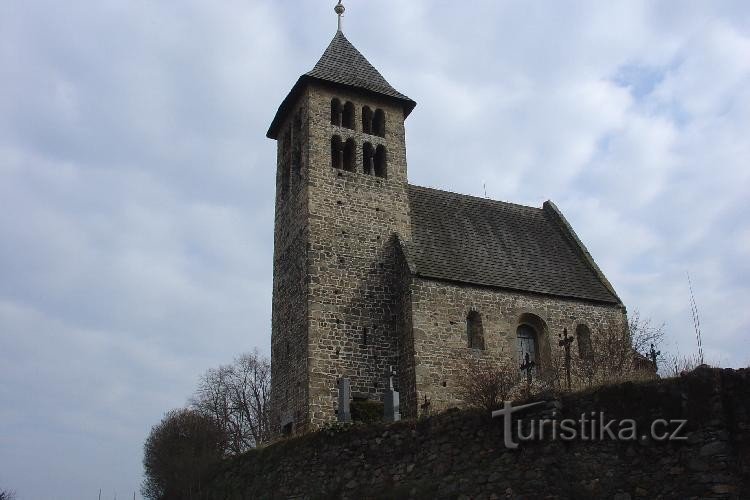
(347, 120)
(367, 120)
(368, 159)
(336, 111)
(350, 153)
(378, 123)
(474, 330)
(380, 161)
(337, 152)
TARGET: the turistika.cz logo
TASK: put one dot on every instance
(590, 426)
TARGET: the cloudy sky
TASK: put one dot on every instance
(136, 182)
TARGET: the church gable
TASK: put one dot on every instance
(491, 243)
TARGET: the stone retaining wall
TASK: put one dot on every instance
(460, 453)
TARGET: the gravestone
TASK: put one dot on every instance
(345, 397)
(392, 411)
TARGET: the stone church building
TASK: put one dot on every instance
(370, 271)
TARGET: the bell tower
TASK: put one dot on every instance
(341, 200)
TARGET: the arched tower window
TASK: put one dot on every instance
(368, 159)
(378, 123)
(527, 343)
(347, 119)
(367, 120)
(381, 161)
(337, 152)
(336, 111)
(474, 330)
(350, 152)
(583, 337)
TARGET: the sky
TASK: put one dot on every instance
(137, 185)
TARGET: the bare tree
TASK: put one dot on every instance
(237, 396)
(617, 353)
(643, 333)
(676, 365)
(485, 384)
(7, 495)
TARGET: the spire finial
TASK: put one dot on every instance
(339, 10)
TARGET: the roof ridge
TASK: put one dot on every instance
(477, 198)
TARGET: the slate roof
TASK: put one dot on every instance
(492, 243)
(342, 64)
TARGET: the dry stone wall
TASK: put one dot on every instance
(460, 454)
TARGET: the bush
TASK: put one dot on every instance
(486, 384)
(365, 410)
(179, 453)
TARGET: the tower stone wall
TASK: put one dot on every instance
(334, 307)
(289, 322)
(352, 219)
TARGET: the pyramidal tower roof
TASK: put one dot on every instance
(341, 64)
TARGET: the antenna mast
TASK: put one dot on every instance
(696, 319)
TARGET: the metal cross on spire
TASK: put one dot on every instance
(339, 10)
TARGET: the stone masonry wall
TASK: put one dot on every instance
(439, 316)
(289, 331)
(352, 218)
(460, 454)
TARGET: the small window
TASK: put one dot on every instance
(367, 120)
(337, 152)
(368, 159)
(474, 330)
(526, 343)
(347, 120)
(336, 112)
(350, 154)
(380, 161)
(378, 123)
(583, 337)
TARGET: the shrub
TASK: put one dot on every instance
(179, 453)
(486, 384)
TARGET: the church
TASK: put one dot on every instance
(371, 272)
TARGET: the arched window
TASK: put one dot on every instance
(350, 154)
(474, 330)
(337, 152)
(381, 161)
(347, 119)
(336, 111)
(367, 120)
(378, 123)
(368, 159)
(583, 337)
(526, 343)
